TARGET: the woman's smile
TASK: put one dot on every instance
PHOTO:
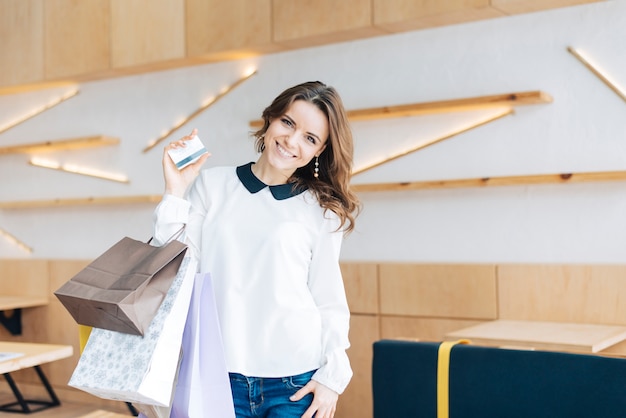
(282, 151)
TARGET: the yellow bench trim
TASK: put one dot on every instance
(443, 377)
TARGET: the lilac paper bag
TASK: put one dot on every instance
(203, 388)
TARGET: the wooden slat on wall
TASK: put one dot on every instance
(406, 15)
(301, 23)
(21, 50)
(76, 37)
(563, 293)
(225, 28)
(433, 290)
(145, 32)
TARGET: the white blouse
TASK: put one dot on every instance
(273, 256)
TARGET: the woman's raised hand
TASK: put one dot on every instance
(177, 181)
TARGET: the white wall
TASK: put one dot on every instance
(582, 130)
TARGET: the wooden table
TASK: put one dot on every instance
(18, 302)
(13, 322)
(30, 355)
(551, 336)
(104, 414)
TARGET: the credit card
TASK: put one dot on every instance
(189, 154)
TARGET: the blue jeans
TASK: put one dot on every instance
(262, 397)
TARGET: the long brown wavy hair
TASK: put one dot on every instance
(332, 187)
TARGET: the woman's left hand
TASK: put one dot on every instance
(324, 400)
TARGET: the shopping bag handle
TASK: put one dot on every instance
(176, 235)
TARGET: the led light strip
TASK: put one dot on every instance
(84, 171)
(603, 77)
(506, 112)
(40, 110)
(63, 144)
(13, 240)
(208, 103)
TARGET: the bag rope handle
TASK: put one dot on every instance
(176, 235)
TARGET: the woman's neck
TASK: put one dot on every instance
(268, 174)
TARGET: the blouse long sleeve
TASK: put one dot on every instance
(326, 284)
(173, 212)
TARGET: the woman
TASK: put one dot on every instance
(270, 234)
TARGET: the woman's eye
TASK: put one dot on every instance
(311, 139)
(287, 122)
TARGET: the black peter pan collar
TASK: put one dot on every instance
(254, 185)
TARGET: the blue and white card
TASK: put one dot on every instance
(189, 154)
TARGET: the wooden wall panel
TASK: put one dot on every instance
(526, 6)
(63, 270)
(146, 32)
(406, 15)
(24, 277)
(387, 300)
(361, 283)
(423, 329)
(438, 290)
(563, 293)
(76, 37)
(356, 401)
(301, 23)
(21, 40)
(61, 325)
(61, 329)
(226, 28)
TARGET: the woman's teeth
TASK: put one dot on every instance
(283, 151)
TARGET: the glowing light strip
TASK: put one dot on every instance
(63, 144)
(84, 171)
(13, 240)
(39, 110)
(506, 112)
(603, 77)
(208, 103)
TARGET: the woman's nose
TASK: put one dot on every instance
(291, 138)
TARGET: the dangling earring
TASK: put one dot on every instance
(316, 173)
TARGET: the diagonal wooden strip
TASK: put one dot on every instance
(198, 111)
(39, 111)
(433, 141)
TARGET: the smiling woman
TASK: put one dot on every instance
(270, 234)
(291, 142)
(328, 175)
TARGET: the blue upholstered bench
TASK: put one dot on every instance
(487, 382)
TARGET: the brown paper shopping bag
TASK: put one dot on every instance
(122, 289)
(141, 370)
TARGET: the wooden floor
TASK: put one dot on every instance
(65, 410)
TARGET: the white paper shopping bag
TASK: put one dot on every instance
(203, 388)
(138, 369)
